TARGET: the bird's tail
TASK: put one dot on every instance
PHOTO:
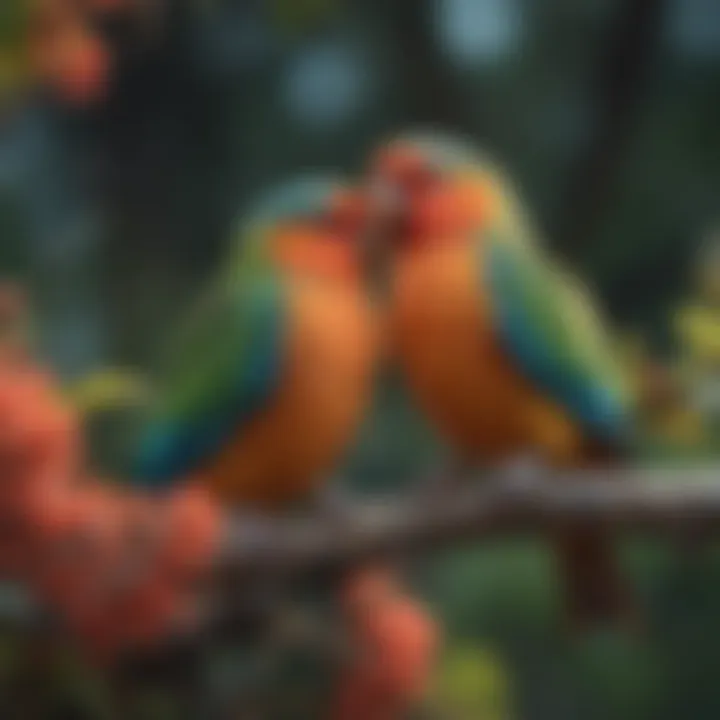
(595, 591)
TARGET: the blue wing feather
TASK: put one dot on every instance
(537, 324)
(180, 439)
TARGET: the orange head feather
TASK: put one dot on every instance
(423, 202)
(325, 246)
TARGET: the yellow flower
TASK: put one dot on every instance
(698, 331)
(472, 684)
(108, 389)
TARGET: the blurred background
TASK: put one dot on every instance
(132, 132)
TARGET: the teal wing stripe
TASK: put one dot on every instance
(229, 370)
(547, 327)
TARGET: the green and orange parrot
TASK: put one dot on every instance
(500, 347)
(268, 379)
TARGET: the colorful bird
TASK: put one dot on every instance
(499, 345)
(267, 381)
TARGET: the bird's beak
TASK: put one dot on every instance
(386, 198)
(384, 215)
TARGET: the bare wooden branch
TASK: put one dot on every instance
(666, 501)
(657, 500)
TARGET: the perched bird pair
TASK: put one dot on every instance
(268, 381)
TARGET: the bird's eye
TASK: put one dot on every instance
(334, 224)
(408, 170)
(345, 216)
(424, 178)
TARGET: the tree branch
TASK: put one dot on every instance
(662, 501)
(651, 500)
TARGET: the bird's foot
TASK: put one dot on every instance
(252, 529)
(334, 502)
(446, 475)
(521, 472)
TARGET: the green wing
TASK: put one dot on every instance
(547, 323)
(223, 368)
(226, 362)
